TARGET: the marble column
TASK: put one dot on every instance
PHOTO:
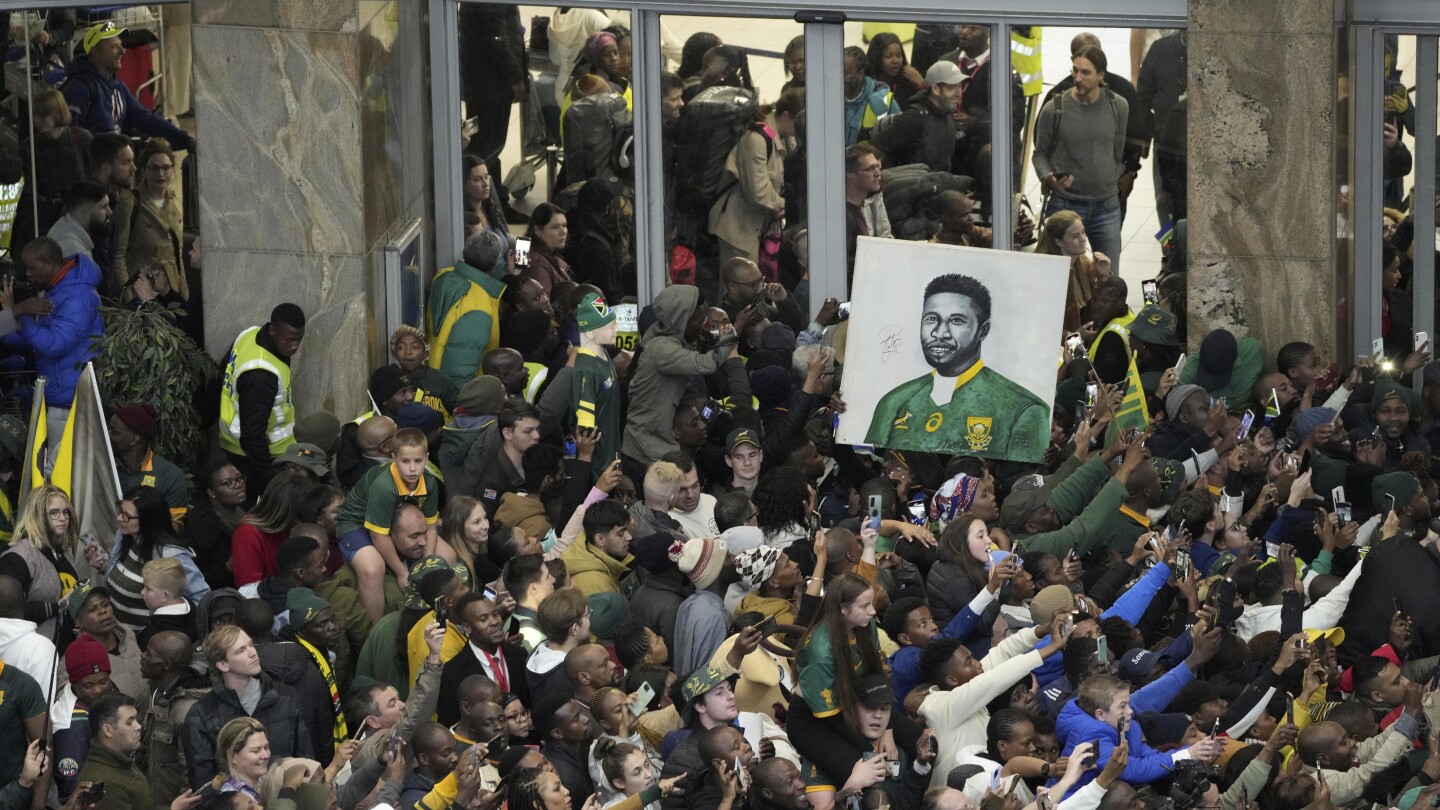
(311, 121)
(1261, 177)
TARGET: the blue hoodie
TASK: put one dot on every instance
(103, 103)
(1074, 726)
(62, 341)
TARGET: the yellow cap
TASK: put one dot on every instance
(100, 31)
(1335, 635)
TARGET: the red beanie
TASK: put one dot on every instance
(139, 418)
(84, 657)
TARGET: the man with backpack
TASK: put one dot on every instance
(1079, 152)
(101, 102)
(925, 131)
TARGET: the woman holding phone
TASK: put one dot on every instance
(548, 235)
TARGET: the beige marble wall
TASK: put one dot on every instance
(1261, 221)
(309, 116)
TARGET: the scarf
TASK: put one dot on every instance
(341, 732)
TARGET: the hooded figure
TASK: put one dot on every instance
(662, 372)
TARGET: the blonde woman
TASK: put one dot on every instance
(45, 552)
(149, 223)
(243, 752)
(464, 526)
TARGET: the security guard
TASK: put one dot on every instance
(257, 407)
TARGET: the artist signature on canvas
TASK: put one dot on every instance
(890, 342)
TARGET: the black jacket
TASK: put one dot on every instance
(683, 758)
(465, 664)
(494, 42)
(489, 474)
(573, 769)
(656, 603)
(278, 710)
(291, 665)
(1162, 84)
(921, 133)
(1177, 442)
(207, 534)
(1402, 567)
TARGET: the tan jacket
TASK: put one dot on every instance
(1376, 754)
(593, 571)
(518, 509)
(147, 233)
(755, 174)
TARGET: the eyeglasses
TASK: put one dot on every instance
(161, 167)
(517, 716)
(123, 516)
(55, 514)
(867, 169)
(230, 483)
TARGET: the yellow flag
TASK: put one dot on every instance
(34, 473)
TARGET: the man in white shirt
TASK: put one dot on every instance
(692, 509)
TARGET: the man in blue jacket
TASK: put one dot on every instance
(63, 340)
(100, 102)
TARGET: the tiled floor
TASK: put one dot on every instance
(1140, 254)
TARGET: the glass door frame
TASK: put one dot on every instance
(1366, 40)
(824, 105)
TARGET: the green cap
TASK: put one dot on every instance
(418, 570)
(1389, 389)
(1402, 486)
(1326, 473)
(607, 612)
(593, 313)
(701, 681)
(1172, 477)
(1069, 393)
(1154, 325)
(81, 592)
(304, 606)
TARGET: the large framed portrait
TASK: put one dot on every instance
(952, 350)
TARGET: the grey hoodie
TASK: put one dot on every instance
(664, 372)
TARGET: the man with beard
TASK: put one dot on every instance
(961, 406)
(175, 687)
(87, 212)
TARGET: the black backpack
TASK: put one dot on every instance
(592, 130)
(710, 126)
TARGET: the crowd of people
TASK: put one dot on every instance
(546, 569)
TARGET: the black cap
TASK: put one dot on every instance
(1218, 352)
(874, 691)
